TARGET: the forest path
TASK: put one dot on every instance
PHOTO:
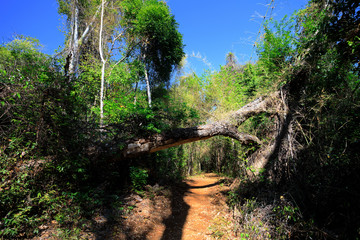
(194, 209)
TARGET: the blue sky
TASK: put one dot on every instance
(38, 19)
(210, 28)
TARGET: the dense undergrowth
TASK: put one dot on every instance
(307, 190)
(58, 167)
(55, 162)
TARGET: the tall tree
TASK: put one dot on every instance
(81, 16)
(103, 62)
(159, 40)
(231, 60)
(101, 40)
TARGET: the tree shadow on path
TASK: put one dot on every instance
(175, 223)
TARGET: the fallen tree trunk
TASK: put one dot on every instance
(186, 135)
(228, 128)
(268, 104)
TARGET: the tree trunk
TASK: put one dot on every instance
(267, 154)
(148, 91)
(103, 61)
(228, 128)
(74, 42)
(273, 104)
(73, 51)
(180, 136)
(147, 86)
(135, 91)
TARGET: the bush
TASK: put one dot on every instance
(138, 178)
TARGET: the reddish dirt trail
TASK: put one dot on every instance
(193, 214)
(184, 212)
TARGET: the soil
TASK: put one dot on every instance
(194, 210)
(193, 215)
(186, 211)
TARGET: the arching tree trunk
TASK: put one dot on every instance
(180, 136)
(275, 105)
(228, 128)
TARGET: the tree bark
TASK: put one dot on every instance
(228, 128)
(274, 104)
(269, 154)
(103, 61)
(73, 54)
(74, 42)
(268, 104)
(148, 91)
(181, 136)
(147, 86)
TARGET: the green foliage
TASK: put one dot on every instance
(232, 198)
(47, 123)
(154, 33)
(219, 227)
(213, 95)
(38, 138)
(138, 178)
(331, 121)
(315, 55)
(163, 45)
(277, 47)
(86, 8)
(323, 74)
(287, 211)
(251, 222)
(170, 164)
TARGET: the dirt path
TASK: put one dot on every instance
(193, 210)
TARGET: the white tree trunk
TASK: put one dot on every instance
(74, 45)
(147, 86)
(103, 65)
(74, 48)
(148, 91)
(102, 95)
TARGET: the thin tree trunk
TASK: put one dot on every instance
(102, 67)
(148, 87)
(74, 48)
(190, 165)
(102, 95)
(146, 76)
(136, 86)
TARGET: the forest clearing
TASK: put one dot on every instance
(113, 137)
